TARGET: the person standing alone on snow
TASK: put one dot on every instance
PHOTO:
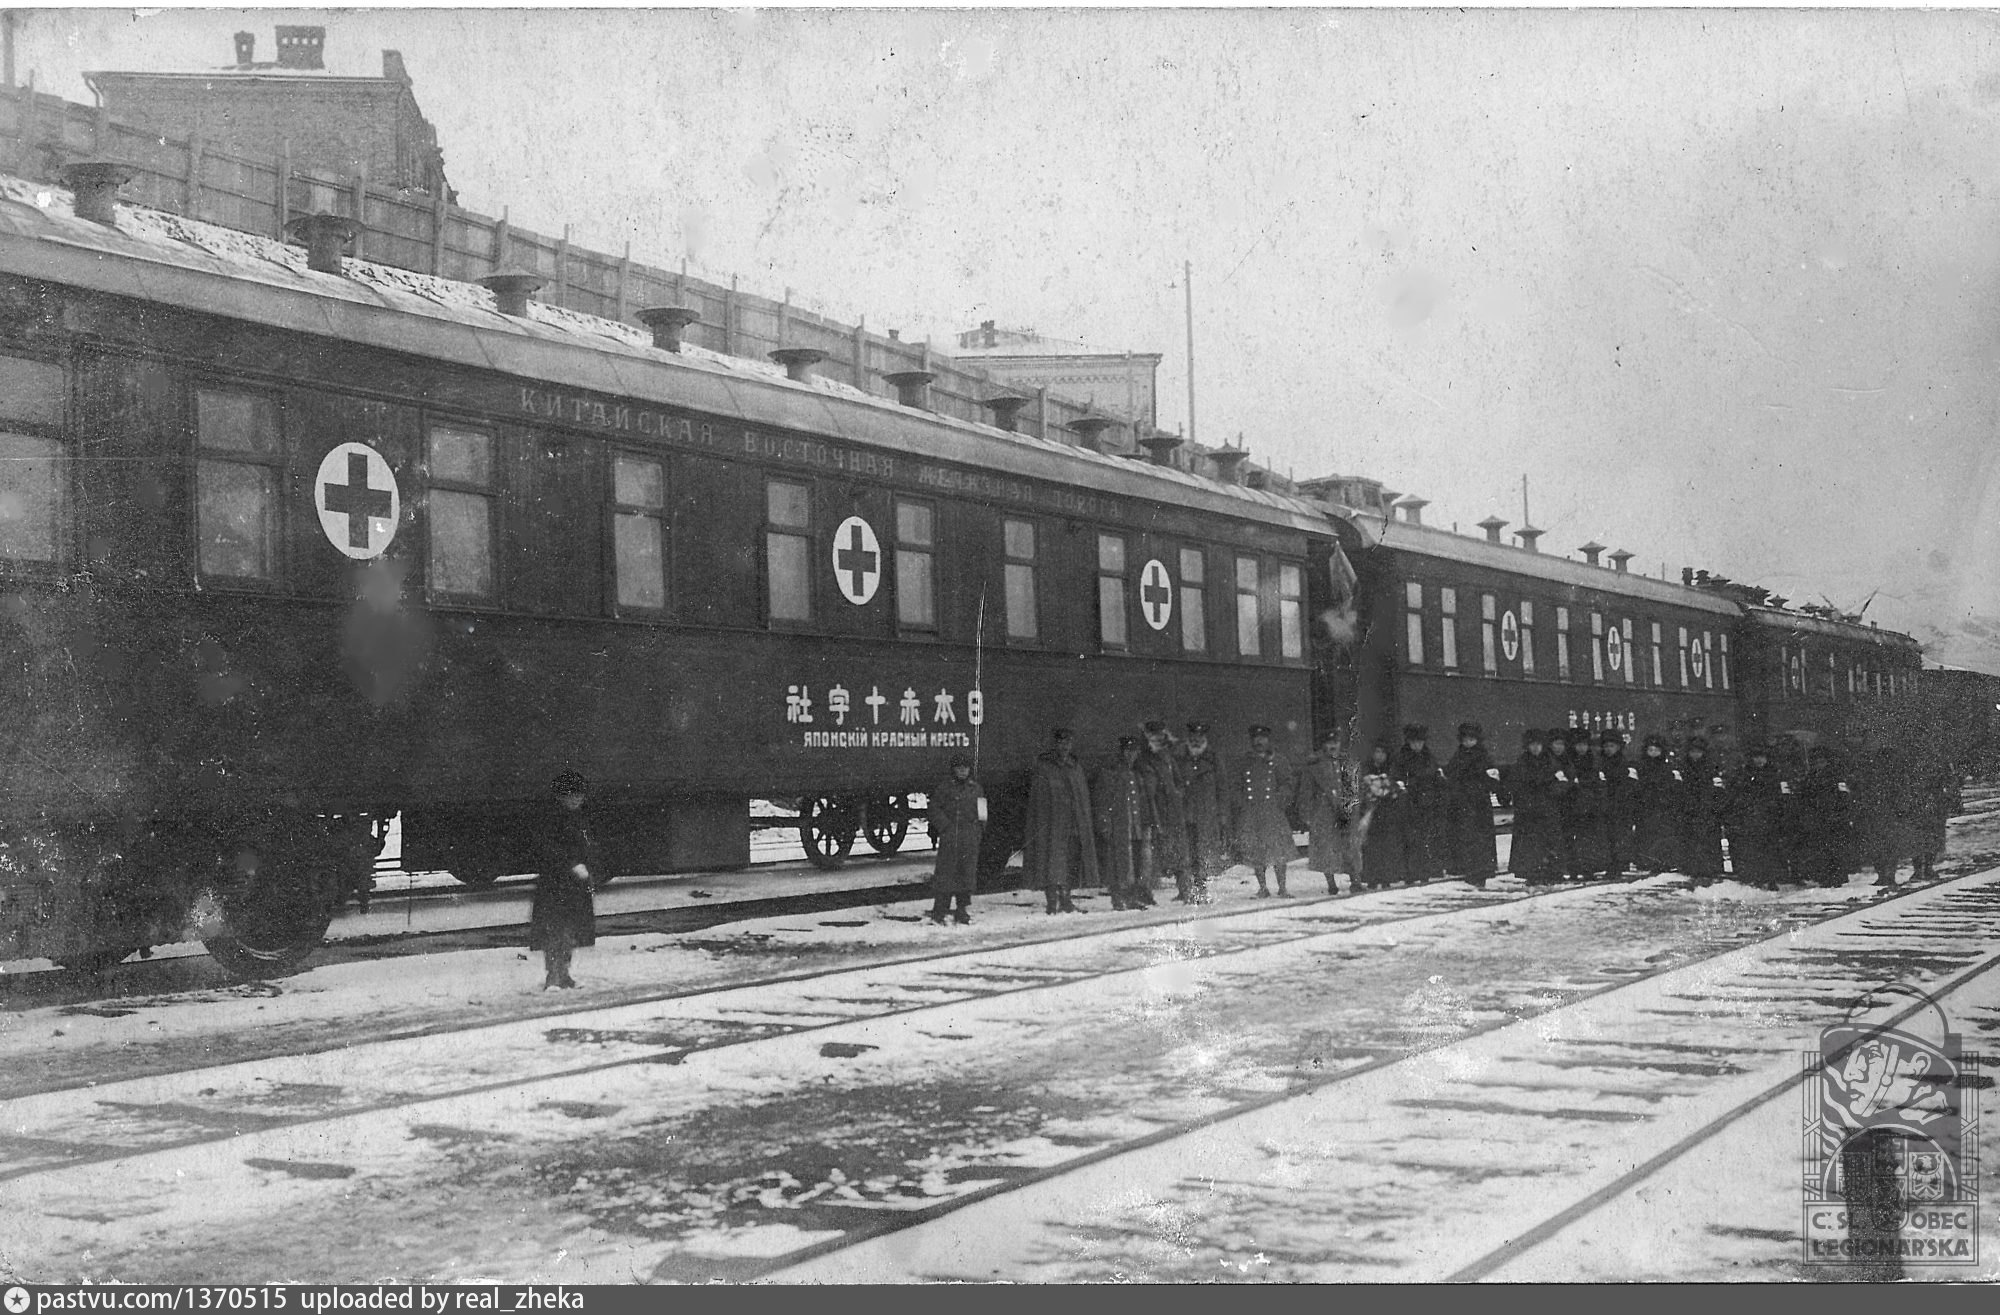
(563, 916)
(958, 817)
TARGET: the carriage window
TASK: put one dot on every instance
(33, 505)
(236, 478)
(639, 495)
(1020, 549)
(1448, 628)
(1708, 659)
(461, 512)
(1413, 621)
(788, 550)
(1527, 637)
(1562, 643)
(1681, 645)
(1111, 591)
(1291, 609)
(1249, 631)
(916, 581)
(1725, 662)
(1489, 647)
(1597, 647)
(1629, 656)
(1194, 614)
(1831, 667)
(1853, 679)
(1658, 677)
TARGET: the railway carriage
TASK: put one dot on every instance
(1823, 678)
(291, 546)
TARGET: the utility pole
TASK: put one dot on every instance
(1187, 285)
(1524, 500)
(7, 35)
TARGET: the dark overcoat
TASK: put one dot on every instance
(955, 825)
(563, 901)
(1385, 821)
(1467, 804)
(1207, 807)
(1756, 821)
(1704, 804)
(1422, 804)
(1264, 790)
(1162, 774)
(1058, 850)
(1656, 804)
(1531, 788)
(1327, 799)
(1123, 803)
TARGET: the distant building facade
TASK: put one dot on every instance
(1120, 383)
(331, 124)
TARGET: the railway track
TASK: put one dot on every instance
(476, 1090)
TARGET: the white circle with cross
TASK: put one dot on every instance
(1614, 649)
(1156, 594)
(359, 504)
(1695, 654)
(857, 560)
(1510, 634)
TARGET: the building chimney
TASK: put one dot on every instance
(1006, 410)
(1619, 560)
(324, 237)
(1226, 460)
(1090, 431)
(1493, 525)
(895, 335)
(798, 361)
(95, 184)
(1413, 509)
(511, 288)
(1590, 551)
(1687, 577)
(1527, 534)
(301, 47)
(910, 386)
(392, 67)
(1160, 448)
(246, 49)
(667, 324)
(1257, 478)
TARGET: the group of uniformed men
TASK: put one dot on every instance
(1169, 808)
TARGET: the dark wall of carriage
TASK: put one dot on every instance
(192, 695)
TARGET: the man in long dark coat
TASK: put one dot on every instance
(1756, 817)
(1824, 847)
(1570, 759)
(1161, 767)
(1205, 800)
(1656, 801)
(1467, 805)
(1621, 802)
(1882, 834)
(1327, 799)
(1058, 852)
(1936, 794)
(1531, 788)
(957, 808)
(1423, 788)
(563, 915)
(1126, 822)
(1264, 792)
(1704, 804)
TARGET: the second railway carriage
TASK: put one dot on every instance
(286, 550)
(1824, 678)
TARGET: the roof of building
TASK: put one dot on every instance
(1029, 344)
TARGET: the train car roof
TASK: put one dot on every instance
(1778, 619)
(1430, 541)
(163, 258)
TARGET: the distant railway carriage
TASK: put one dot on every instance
(1811, 675)
(289, 551)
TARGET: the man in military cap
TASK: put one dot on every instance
(1126, 823)
(1329, 800)
(1160, 766)
(1264, 791)
(1202, 799)
(1058, 853)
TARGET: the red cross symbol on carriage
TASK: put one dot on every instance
(1156, 594)
(857, 560)
(358, 501)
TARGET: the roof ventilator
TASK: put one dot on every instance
(1527, 534)
(668, 323)
(1619, 560)
(1089, 431)
(511, 289)
(1006, 410)
(1590, 551)
(1160, 448)
(798, 361)
(1413, 509)
(95, 184)
(324, 237)
(910, 386)
(1226, 460)
(1493, 525)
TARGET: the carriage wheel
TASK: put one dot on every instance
(888, 824)
(826, 829)
(275, 908)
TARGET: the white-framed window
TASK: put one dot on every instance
(34, 493)
(1111, 591)
(240, 457)
(916, 565)
(1659, 677)
(1597, 647)
(1562, 644)
(1527, 637)
(638, 531)
(1019, 547)
(1725, 661)
(1628, 655)
(1291, 611)
(1249, 616)
(1448, 627)
(1194, 609)
(1489, 639)
(460, 475)
(1413, 621)
(1708, 659)
(1681, 647)
(788, 550)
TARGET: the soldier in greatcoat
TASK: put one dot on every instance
(1058, 852)
(1704, 804)
(1263, 795)
(1161, 767)
(1423, 788)
(1328, 799)
(1126, 822)
(1530, 785)
(1467, 806)
(563, 916)
(1204, 797)
(1656, 803)
(958, 818)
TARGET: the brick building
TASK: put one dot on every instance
(332, 124)
(1121, 383)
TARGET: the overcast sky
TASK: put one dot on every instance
(1722, 284)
